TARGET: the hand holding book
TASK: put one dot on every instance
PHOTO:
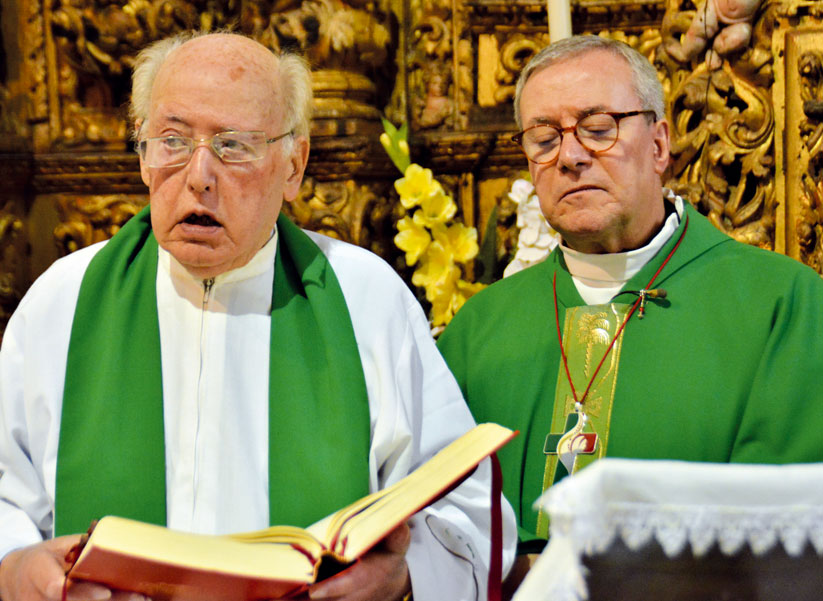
(279, 561)
(380, 575)
(37, 573)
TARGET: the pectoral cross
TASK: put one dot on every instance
(570, 443)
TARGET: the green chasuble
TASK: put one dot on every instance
(726, 368)
(111, 458)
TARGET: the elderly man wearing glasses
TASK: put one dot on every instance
(215, 369)
(647, 333)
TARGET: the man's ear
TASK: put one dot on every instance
(144, 174)
(297, 160)
(661, 146)
(144, 171)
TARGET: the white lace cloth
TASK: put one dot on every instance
(678, 504)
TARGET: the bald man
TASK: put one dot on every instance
(214, 368)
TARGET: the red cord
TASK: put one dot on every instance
(619, 330)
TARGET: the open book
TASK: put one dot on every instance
(276, 562)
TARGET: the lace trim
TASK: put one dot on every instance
(679, 505)
(674, 527)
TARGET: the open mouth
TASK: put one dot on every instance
(201, 220)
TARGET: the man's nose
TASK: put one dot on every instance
(201, 167)
(572, 154)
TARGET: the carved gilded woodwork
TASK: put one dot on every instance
(723, 125)
(91, 47)
(347, 46)
(804, 145)
(87, 219)
(716, 29)
(15, 173)
(798, 36)
(87, 172)
(433, 76)
(359, 214)
(95, 43)
(27, 100)
(810, 224)
(743, 94)
(12, 257)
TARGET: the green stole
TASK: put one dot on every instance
(111, 455)
(587, 333)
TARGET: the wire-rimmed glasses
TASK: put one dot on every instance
(596, 132)
(229, 146)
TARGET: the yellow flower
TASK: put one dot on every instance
(416, 185)
(442, 308)
(385, 141)
(436, 270)
(458, 240)
(412, 239)
(448, 299)
(465, 290)
(430, 241)
(435, 209)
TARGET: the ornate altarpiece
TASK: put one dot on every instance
(747, 117)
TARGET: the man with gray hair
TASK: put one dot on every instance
(216, 369)
(647, 333)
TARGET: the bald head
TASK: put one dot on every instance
(247, 71)
(287, 77)
(238, 54)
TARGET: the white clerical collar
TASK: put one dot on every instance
(598, 277)
(262, 261)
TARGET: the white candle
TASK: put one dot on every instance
(560, 19)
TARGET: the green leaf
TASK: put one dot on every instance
(395, 143)
(486, 261)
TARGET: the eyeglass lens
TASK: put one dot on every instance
(231, 147)
(597, 132)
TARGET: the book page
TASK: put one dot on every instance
(360, 526)
(310, 541)
(155, 544)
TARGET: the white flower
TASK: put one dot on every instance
(531, 255)
(521, 190)
(536, 238)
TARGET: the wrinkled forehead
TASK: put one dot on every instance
(584, 80)
(234, 56)
(227, 70)
(596, 63)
